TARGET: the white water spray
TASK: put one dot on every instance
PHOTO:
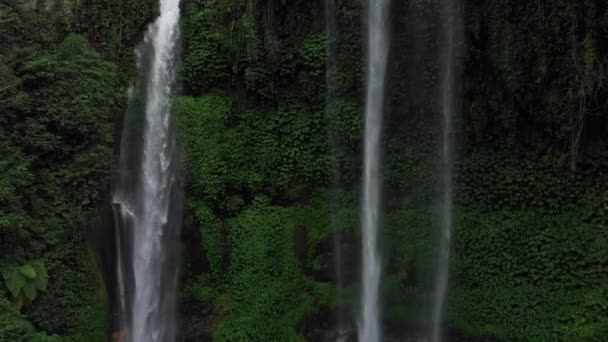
(448, 61)
(369, 325)
(150, 193)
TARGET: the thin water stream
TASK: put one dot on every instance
(378, 44)
(450, 32)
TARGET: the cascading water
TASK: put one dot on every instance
(147, 197)
(448, 61)
(369, 325)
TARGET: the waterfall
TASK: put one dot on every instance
(147, 195)
(331, 32)
(369, 325)
(447, 61)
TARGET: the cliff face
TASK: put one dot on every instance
(27, 4)
(267, 194)
(255, 118)
(61, 96)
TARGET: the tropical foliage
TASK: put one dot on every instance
(267, 141)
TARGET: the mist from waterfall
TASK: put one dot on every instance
(450, 32)
(378, 44)
(331, 32)
(147, 197)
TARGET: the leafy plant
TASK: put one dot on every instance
(25, 281)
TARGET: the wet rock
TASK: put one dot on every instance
(196, 322)
(455, 335)
(343, 250)
(119, 336)
(323, 327)
(196, 253)
(416, 335)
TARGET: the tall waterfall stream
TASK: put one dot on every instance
(447, 60)
(147, 199)
(378, 41)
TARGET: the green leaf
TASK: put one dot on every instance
(41, 282)
(28, 271)
(15, 282)
(42, 276)
(30, 291)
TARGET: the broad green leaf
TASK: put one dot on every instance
(42, 276)
(41, 282)
(15, 283)
(30, 291)
(40, 269)
(28, 271)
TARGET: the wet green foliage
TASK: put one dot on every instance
(245, 152)
(549, 284)
(25, 281)
(256, 120)
(115, 28)
(63, 135)
(16, 328)
(220, 39)
(500, 180)
(266, 293)
(58, 101)
(541, 72)
(236, 160)
(515, 275)
(267, 135)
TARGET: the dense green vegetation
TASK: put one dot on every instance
(255, 116)
(59, 101)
